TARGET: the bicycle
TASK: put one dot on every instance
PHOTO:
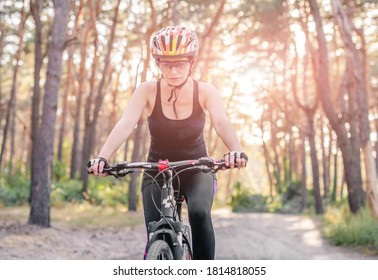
(169, 238)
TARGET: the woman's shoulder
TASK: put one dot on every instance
(207, 89)
(147, 92)
(147, 86)
(207, 93)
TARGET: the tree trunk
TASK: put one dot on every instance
(75, 150)
(36, 8)
(277, 169)
(371, 180)
(90, 128)
(304, 175)
(267, 158)
(68, 86)
(291, 154)
(359, 87)
(139, 139)
(325, 161)
(113, 117)
(1, 73)
(309, 111)
(70, 82)
(13, 137)
(40, 200)
(376, 145)
(334, 187)
(376, 156)
(207, 38)
(350, 158)
(315, 168)
(12, 100)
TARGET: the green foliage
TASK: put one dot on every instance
(66, 191)
(107, 191)
(345, 229)
(102, 191)
(290, 201)
(244, 201)
(60, 171)
(14, 190)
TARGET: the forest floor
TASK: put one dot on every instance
(83, 232)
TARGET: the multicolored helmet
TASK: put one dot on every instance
(173, 41)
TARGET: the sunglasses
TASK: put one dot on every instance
(179, 65)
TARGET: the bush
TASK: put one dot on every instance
(109, 192)
(289, 201)
(244, 201)
(101, 191)
(14, 190)
(66, 191)
(60, 171)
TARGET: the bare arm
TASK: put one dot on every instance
(124, 127)
(222, 124)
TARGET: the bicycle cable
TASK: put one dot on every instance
(154, 178)
(154, 202)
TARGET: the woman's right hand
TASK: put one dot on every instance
(96, 166)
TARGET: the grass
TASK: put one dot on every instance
(82, 215)
(359, 230)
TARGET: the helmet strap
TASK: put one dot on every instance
(175, 88)
(174, 94)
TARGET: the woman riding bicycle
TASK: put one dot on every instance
(176, 106)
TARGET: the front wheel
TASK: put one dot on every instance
(187, 244)
(159, 250)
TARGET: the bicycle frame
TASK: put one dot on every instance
(170, 228)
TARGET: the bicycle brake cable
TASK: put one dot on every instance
(154, 202)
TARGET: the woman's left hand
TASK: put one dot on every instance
(236, 159)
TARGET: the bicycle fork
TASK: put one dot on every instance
(167, 228)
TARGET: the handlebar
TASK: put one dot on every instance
(205, 164)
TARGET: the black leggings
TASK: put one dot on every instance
(198, 189)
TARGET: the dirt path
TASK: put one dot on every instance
(239, 236)
(275, 237)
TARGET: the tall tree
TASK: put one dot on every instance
(83, 37)
(349, 146)
(70, 85)
(11, 108)
(36, 9)
(88, 29)
(309, 110)
(90, 126)
(355, 68)
(139, 133)
(41, 184)
(1, 67)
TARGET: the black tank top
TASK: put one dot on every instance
(177, 139)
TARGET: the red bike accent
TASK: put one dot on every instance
(163, 165)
